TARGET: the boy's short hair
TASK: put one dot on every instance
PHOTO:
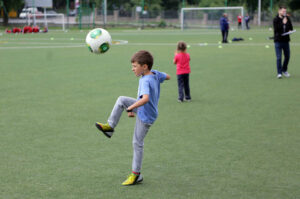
(181, 46)
(143, 57)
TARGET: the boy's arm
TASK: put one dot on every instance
(139, 103)
(168, 77)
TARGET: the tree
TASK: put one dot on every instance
(170, 4)
(295, 4)
(8, 5)
(209, 3)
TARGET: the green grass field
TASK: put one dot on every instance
(237, 139)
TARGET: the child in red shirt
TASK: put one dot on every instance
(239, 18)
(182, 61)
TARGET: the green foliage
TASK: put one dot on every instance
(13, 4)
(295, 4)
(8, 5)
(171, 4)
(209, 3)
(162, 24)
(250, 5)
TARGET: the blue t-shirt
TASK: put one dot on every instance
(150, 85)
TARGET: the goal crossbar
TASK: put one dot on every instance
(211, 8)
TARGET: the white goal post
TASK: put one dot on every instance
(58, 19)
(226, 9)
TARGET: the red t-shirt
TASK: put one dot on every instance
(182, 61)
(239, 18)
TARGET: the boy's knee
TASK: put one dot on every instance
(120, 99)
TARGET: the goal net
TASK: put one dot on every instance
(209, 17)
(47, 20)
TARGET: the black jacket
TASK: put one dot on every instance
(280, 28)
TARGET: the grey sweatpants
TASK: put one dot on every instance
(140, 130)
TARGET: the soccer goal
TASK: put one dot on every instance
(47, 20)
(208, 17)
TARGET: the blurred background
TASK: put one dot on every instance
(137, 13)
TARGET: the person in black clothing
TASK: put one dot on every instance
(282, 24)
(224, 26)
(247, 19)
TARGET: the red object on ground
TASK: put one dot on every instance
(17, 30)
(27, 29)
(36, 29)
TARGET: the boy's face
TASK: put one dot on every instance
(138, 69)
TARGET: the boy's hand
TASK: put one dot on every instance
(130, 114)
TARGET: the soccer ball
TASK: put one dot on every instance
(98, 40)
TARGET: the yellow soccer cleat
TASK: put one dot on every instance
(133, 179)
(105, 128)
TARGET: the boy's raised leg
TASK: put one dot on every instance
(121, 104)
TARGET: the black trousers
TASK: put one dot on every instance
(239, 24)
(183, 87)
(224, 36)
(279, 47)
(247, 25)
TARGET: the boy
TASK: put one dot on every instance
(145, 106)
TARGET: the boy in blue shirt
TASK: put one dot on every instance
(145, 106)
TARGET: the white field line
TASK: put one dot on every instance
(42, 39)
(39, 47)
(166, 32)
(79, 45)
(148, 34)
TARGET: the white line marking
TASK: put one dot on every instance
(79, 45)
